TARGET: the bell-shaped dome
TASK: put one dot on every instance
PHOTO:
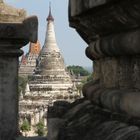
(53, 63)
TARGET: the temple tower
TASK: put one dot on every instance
(28, 61)
(51, 75)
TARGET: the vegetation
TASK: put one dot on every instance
(22, 81)
(25, 126)
(85, 75)
(89, 78)
(78, 70)
(40, 128)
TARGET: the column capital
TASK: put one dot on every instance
(15, 35)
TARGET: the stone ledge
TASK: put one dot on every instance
(27, 30)
(115, 45)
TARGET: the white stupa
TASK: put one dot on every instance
(51, 81)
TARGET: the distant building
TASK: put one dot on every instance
(28, 61)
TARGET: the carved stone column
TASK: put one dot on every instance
(112, 30)
(12, 37)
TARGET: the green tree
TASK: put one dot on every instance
(78, 70)
(25, 126)
(40, 128)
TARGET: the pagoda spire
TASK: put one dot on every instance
(50, 17)
(50, 44)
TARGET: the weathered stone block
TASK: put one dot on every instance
(10, 14)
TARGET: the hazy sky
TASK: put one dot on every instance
(70, 43)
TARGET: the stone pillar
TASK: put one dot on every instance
(12, 37)
(112, 32)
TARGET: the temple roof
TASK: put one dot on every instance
(34, 48)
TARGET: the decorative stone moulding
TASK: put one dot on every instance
(17, 35)
(115, 45)
(116, 100)
(16, 29)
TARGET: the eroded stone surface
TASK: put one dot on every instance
(95, 22)
(10, 14)
(8, 98)
(114, 49)
(85, 5)
(26, 30)
(92, 123)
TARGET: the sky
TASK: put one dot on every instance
(70, 43)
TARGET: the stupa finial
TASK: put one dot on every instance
(49, 6)
(50, 17)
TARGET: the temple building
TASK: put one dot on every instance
(50, 81)
(28, 61)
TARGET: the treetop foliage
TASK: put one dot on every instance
(78, 70)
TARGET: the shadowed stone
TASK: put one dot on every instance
(111, 30)
(15, 32)
(113, 48)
